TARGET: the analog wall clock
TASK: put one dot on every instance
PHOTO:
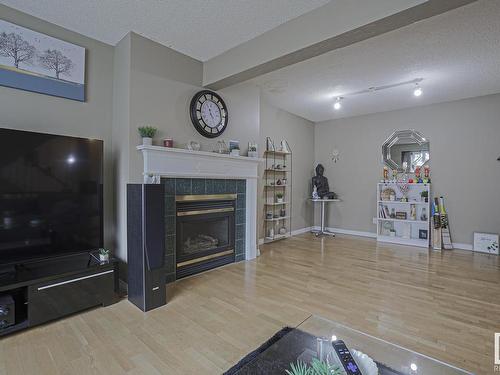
(209, 113)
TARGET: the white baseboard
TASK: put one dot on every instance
(462, 246)
(294, 233)
(349, 232)
(456, 245)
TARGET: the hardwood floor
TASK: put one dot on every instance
(446, 305)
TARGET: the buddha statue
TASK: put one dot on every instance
(321, 183)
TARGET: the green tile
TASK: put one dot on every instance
(170, 205)
(169, 264)
(198, 186)
(169, 185)
(182, 186)
(240, 216)
(231, 186)
(209, 186)
(241, 186)
(219, 186)
(241, 202)
(240, 247)
(240, 231)
(170, 244)
(170, 224)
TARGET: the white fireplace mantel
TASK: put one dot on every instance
(180, 163)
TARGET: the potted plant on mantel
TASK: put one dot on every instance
(147, 133)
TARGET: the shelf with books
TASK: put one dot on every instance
(403, 216)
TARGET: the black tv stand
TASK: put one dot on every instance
(48, 289)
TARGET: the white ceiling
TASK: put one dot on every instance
(199, 28)
(457, 54)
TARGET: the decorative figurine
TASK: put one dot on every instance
(386, 174)
(410, 181)
(321, 183)
(423, 215)
(284, 147)
(417, 175)
(413, 212)
(404, 188)
(427, 173)
(315, 193)
(394, 175)
(270, 233)
(393, 213)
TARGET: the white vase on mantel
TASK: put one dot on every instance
(147, 141)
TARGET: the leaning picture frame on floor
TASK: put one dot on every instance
(36, 62)
(486, 243)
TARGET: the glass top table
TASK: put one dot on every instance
(312, 338)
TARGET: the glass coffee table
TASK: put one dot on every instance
(312, 338)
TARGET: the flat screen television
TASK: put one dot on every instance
(51, 200)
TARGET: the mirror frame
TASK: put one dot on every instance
(393, 139)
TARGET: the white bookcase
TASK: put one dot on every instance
(392, 225)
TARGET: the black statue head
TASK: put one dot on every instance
(320, 170)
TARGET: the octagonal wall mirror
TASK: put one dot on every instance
(406, 149)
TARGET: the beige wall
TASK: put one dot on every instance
(464, 145)
(154, 86)
(299, 133)
(42, 113)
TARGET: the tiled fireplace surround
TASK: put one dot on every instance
(186, 172)
(199, 186)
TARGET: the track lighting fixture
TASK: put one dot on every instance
(337, 104)
(418, 90)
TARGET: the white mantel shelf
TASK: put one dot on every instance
(179, 163)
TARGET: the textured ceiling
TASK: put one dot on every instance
(199, 28)
(457, 54)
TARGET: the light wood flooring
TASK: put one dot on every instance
(446, 305)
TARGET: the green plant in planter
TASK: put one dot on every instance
(147, 131)
(317, 368)
(299, 368)
(424, 195)
(104, 252)
(104, 255)
(279, 195)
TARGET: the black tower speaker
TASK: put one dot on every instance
(146, 245)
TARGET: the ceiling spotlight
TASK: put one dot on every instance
(71, 159)
(418, 90)
(337, 104)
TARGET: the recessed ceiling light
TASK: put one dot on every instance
(414, 367)
(418, 91)
(337, 104)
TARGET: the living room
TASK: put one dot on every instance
(249, 187)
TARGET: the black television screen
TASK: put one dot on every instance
(50, 195)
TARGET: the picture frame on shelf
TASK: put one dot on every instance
(423, 234)
(234, 148)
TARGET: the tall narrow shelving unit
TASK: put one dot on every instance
(277, 179)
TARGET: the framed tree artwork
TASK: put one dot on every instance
(36, 62)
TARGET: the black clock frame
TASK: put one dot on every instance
(198, 122)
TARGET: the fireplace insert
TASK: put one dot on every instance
(205, 232)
